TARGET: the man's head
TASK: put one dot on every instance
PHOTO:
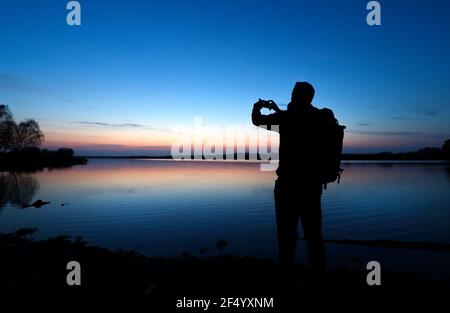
(303, 93)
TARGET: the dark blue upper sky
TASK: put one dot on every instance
(137, 68)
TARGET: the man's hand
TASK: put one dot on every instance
(258, 105)
(259, 119)
(273, 106)
(269, 104)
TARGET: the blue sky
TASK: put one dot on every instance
(134, 69)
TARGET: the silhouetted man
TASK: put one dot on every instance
(298, 188)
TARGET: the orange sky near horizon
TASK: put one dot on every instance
(151, 140)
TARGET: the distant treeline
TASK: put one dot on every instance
(382, 156)
(19, 146)
(425, 154)
(33, 158)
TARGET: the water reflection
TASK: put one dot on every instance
(17, 188)
(166, 207)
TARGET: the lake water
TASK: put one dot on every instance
(165, 207)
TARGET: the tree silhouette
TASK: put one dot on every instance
(5, 113)
(7, 127)
(15, 136)
(27, 134)
(446, 149)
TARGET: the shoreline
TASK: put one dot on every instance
(39, 165)
(344, 160)
(40, 266)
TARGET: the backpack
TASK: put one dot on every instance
(332, 137)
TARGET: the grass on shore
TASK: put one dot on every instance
(30, 267)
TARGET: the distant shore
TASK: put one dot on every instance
(36, 159)
(421, 155)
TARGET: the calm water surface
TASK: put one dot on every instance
(164, 207)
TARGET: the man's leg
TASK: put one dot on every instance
(287, 223)
(311, 219)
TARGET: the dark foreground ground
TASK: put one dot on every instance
(31, 267)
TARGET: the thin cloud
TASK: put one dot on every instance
(124, 125)
(428, 111)
(154, 147)
(384, 133)
(364, 124)
(400, 118)
(104, 146)
(14, 83)
(119, 125)
(10, 83)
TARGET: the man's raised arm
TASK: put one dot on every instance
(259, 119)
